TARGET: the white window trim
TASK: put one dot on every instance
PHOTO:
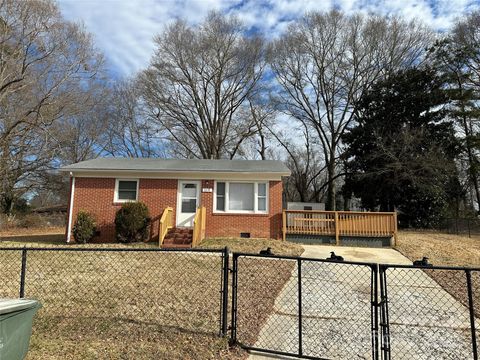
(227, 195)
(115, 197)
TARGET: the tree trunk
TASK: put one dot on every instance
(346, 203)
(330, 204)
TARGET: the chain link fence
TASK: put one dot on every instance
(92, 291)
(309, 308)
(459, 226)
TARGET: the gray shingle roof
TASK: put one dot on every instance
(172, 165)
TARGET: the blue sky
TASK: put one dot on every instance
(123, 29)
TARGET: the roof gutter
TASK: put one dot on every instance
(183, 175)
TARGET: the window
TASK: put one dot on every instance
(262, 197)
(126, 190)
(220, 196)
(241, 197)
(189, 198)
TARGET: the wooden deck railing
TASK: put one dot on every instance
(199, 226)
(166, 223)
(340, 223)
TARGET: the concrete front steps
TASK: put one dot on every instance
(178, 238)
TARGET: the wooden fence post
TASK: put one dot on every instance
(337, 229)
(284, 225)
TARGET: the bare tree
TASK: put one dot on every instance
(44, 63)
(325, 61)
(130, 133)
(466, 35)
(198, 80)
(307, 180)
(466, 40)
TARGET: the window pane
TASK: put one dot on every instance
(127, 185)
(241, 196)
(262, 189)
(189, 205)
(189, 190)
(127, 195)
(220, 196)
(127, 190)
(262, 204)
(220, 203)
(221, 188)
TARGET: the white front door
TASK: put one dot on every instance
(188, 200)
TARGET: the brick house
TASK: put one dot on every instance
(240, 197)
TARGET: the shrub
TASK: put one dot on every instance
(132, 222)
(84, 228)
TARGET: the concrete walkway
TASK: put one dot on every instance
(426, 321)
(360, 254)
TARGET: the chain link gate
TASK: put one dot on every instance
(428, 312)
(306, 308)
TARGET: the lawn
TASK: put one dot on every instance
(446, 250)
(253, 245)
(32, 237)
(138, 305)
(440, 248)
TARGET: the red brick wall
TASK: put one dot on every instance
(96, 195)
(258, 225)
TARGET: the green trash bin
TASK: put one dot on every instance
(16, 316)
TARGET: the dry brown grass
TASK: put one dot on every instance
(446, 250)
(11, 232)
(124, 305)
(260, 281)
(121, 305)
(253, 245)
(440, 248)
(32, 237)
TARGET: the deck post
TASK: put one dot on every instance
(395, 228)
(284, 225)
(337, 229)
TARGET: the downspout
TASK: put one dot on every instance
(70, 210)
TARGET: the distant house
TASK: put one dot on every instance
(240, 197)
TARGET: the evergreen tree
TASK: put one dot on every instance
(400, 154)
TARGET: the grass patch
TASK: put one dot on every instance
(104, 305)
(56, 230)
(446, 250)
(441, 249)
(278, 247)
(32, 237)
(141, 305)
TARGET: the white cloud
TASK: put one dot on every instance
(124, 29)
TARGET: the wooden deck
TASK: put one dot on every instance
(340, 223)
